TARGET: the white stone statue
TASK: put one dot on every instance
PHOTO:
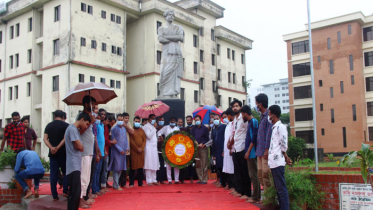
(170, 36)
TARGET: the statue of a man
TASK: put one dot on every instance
(172, 58)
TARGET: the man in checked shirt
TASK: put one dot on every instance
(14, 134)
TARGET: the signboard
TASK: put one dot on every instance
(355, 196)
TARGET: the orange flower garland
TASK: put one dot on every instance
(179, 149)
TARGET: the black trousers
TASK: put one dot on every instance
(140, 176)
(73, 198)
(108, 172)
(223, 177)
(161, 173)
(241, 172)
(231, 181)
(187, 173)
(93, 167)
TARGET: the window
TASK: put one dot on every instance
(323, 131)
(219, 100)
(102, 80)
(56, 83)
(11, 32)
(301, 69)
(103, 47)
(320, 83)
(200, 31)
(81, 78)
(93, 44)
(17, 30)
(342, 88)
(300, 47)
(1, 37)
(306, 135)
(234, 78)
(28, 89)
(370, 133)
(243, 81)
(329, 44)
(113, 49)
(350, 57)
(103, 14)
(195, 96)
(213, 59)
(83, 7)
(29, 24)
(331, 67)
(349, 29)
(119, 19)
(183, 64)
(214, 89)
(331, 92)
(344, 137)
(82, 41)
(112, 18)
(229, 101)
(352, 79)
(212, 35)
(321, 107)
(0, 65)
(57, 13)
(302, 92)
(92, 79)
(159, 57)
(117, 85)
(368, 57)
(219, 74)
(112, 83)
(201, 85)
(229, 77)
(368, 33)
(201, 55)
(194, 41)
(370, 108)
(243, 102)
(159, 24)
(10, 93)
(369, 83)
(90, 9)
(228, 53)
(332, 115)
(233, 54)
(242, 58)
(16, 92)
(182, 93)
(29, 56)
(339, 36)
(195, 65)
(17, 60)
(218, 49)
(11, 61)
(56, 47)
(319, 59)
(354, 112)
(158, 90)
(119, 51)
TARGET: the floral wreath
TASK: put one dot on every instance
(179, 149)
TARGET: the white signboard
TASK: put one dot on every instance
(355, 196)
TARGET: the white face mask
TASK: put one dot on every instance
(269, 120)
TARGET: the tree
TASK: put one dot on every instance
(285, 118)
(256, 114)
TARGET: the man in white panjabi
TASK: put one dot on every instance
(170, 37)
(151, 164)
(228, 166)
(167, 130)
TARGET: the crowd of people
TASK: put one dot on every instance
(243, 151)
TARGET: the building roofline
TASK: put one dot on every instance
(207, 6)
(181, 8)
(275, 83)
(244, 37)
(215, 4)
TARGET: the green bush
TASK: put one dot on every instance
(7, 158)
(331, 157)
(295, 147)
(302, 189)
(45, 163)
(306, 161)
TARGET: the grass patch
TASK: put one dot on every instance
(323, 164)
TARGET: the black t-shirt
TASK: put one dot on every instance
(56, 133)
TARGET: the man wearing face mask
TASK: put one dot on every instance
(161, 173)
(14, 134)
(138, 141)
(166, 130)
(188, 172)
(201, 135)
(228, 166)
(263, 140)
(129, 129)
(218, 148)
(151, 154)
(225, 118)
(101, 145)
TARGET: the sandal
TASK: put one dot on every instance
(250, 200)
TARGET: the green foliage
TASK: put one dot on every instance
(256, 115)
(295, 147)
(7, 158)
(364, 158)
(12, 184)
(45, 163)
(302, 189)
(285, 118)
(331, 157)
(306, 161)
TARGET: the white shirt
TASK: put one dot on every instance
(151, 161)
(228, 166)
(166, 130)
(240, 128)
(279, 144)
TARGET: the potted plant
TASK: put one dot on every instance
(364, 158)
(302, 188)
(7, 164)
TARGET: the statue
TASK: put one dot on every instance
(172, 57)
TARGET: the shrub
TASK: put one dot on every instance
(7, 158)
(331, 157)
(295, 147)
(306, 161)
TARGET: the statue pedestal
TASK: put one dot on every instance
(177, 109)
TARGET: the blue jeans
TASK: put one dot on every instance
(22, 175)
(105, 163)
(116, 175)
(278, 175)
(55, 164)
(96, 177)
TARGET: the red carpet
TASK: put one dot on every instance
(183, 196)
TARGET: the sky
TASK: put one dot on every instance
(266, 21)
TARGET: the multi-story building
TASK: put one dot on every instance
(278, 94)
(343, 79)
(48, 47)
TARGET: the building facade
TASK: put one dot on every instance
(48, 47)
(343, 74)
